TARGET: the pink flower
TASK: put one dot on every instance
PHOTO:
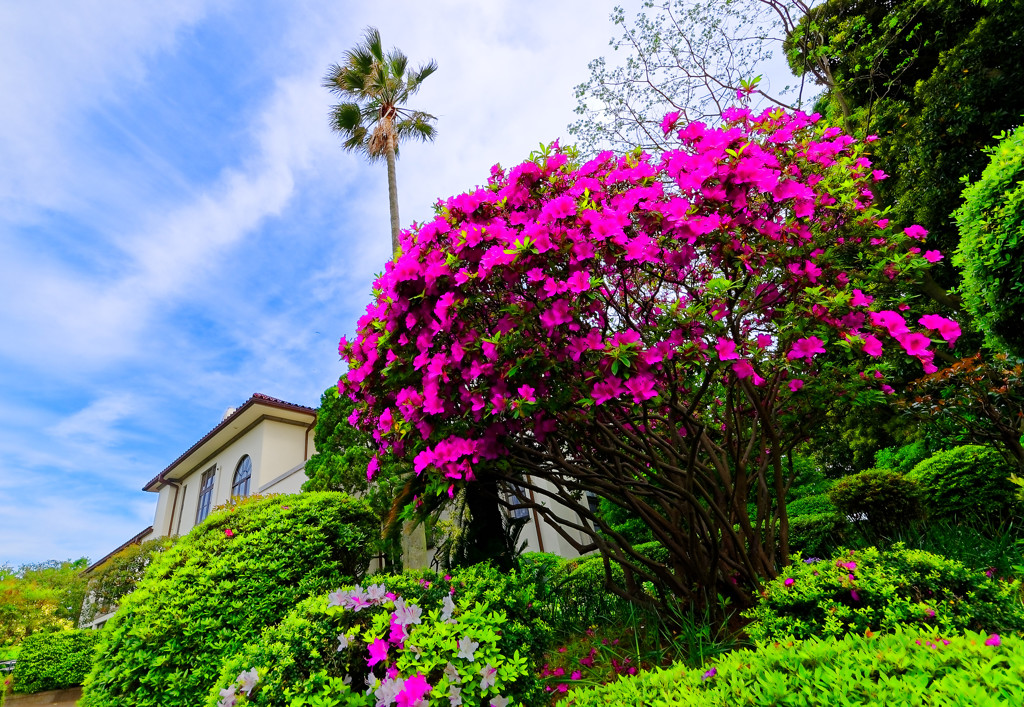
(763, 341)
(378, 652)
(229, 533)
(726, 349)
(526, 392)
(860, 299)
(806, 348)
(854, 595)
(795, 384)
(947, 328)
(413, 692)
(993, 640)
(915, 231)
(914, 344)
(933, 256)
(789, 581)
(669, 122)
(576, 675)
(890, 320)
(372, 468)
(872, 346)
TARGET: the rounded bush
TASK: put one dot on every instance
(887, 498)
(54, 661)
(991, 252)
(966, 481)
(872, 590)
(302, 657)
(239, 571)
(816, 533)
(913, 667)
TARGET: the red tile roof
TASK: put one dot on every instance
(256, 399)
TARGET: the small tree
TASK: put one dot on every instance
(658, 331)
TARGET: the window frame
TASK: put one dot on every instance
(206, 486)
(236, 482)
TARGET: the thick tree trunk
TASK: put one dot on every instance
(393, 199)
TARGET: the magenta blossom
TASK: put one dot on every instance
(806, 348)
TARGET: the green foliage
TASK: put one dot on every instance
(46, 596)
(889, 499)
(991, 252)
(625, 522)
(914, 667)
(902, 459)
(342, 454)
(54, 661)
(300, 657)
(817, 533)
(239, 571)
(117, 577)
(875, 590)
(966, 481)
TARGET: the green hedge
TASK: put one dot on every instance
(54, 661)
(241, 570)
(853, 592)
(896, 670)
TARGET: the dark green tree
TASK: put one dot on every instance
(935, 80)
(373, 119)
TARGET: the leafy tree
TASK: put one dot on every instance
(991, 253)
(935, 79)
(374, 119)
(662, 347)
(45, 596)
(974, 401)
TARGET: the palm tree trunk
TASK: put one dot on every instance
(393, 199)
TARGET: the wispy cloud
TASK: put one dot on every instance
(182, 229)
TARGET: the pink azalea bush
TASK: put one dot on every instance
(657, 329)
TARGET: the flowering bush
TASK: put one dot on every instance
(654, 329)
(911, 667)
(372, 646)
(872, 590)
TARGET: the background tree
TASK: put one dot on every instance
(935, 79)
(117, 577)
(690, 56)
(374, 119)
(46, 596)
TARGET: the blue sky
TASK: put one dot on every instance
(179, 228)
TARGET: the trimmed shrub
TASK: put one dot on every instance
(966, 481)
(888, 498)
(239, 571)
(54, 661)
(914, 667)
(816, 533)
(854, 592)
(302, 657)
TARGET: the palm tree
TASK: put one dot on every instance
(374, 119)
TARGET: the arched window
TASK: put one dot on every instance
(243, 472)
